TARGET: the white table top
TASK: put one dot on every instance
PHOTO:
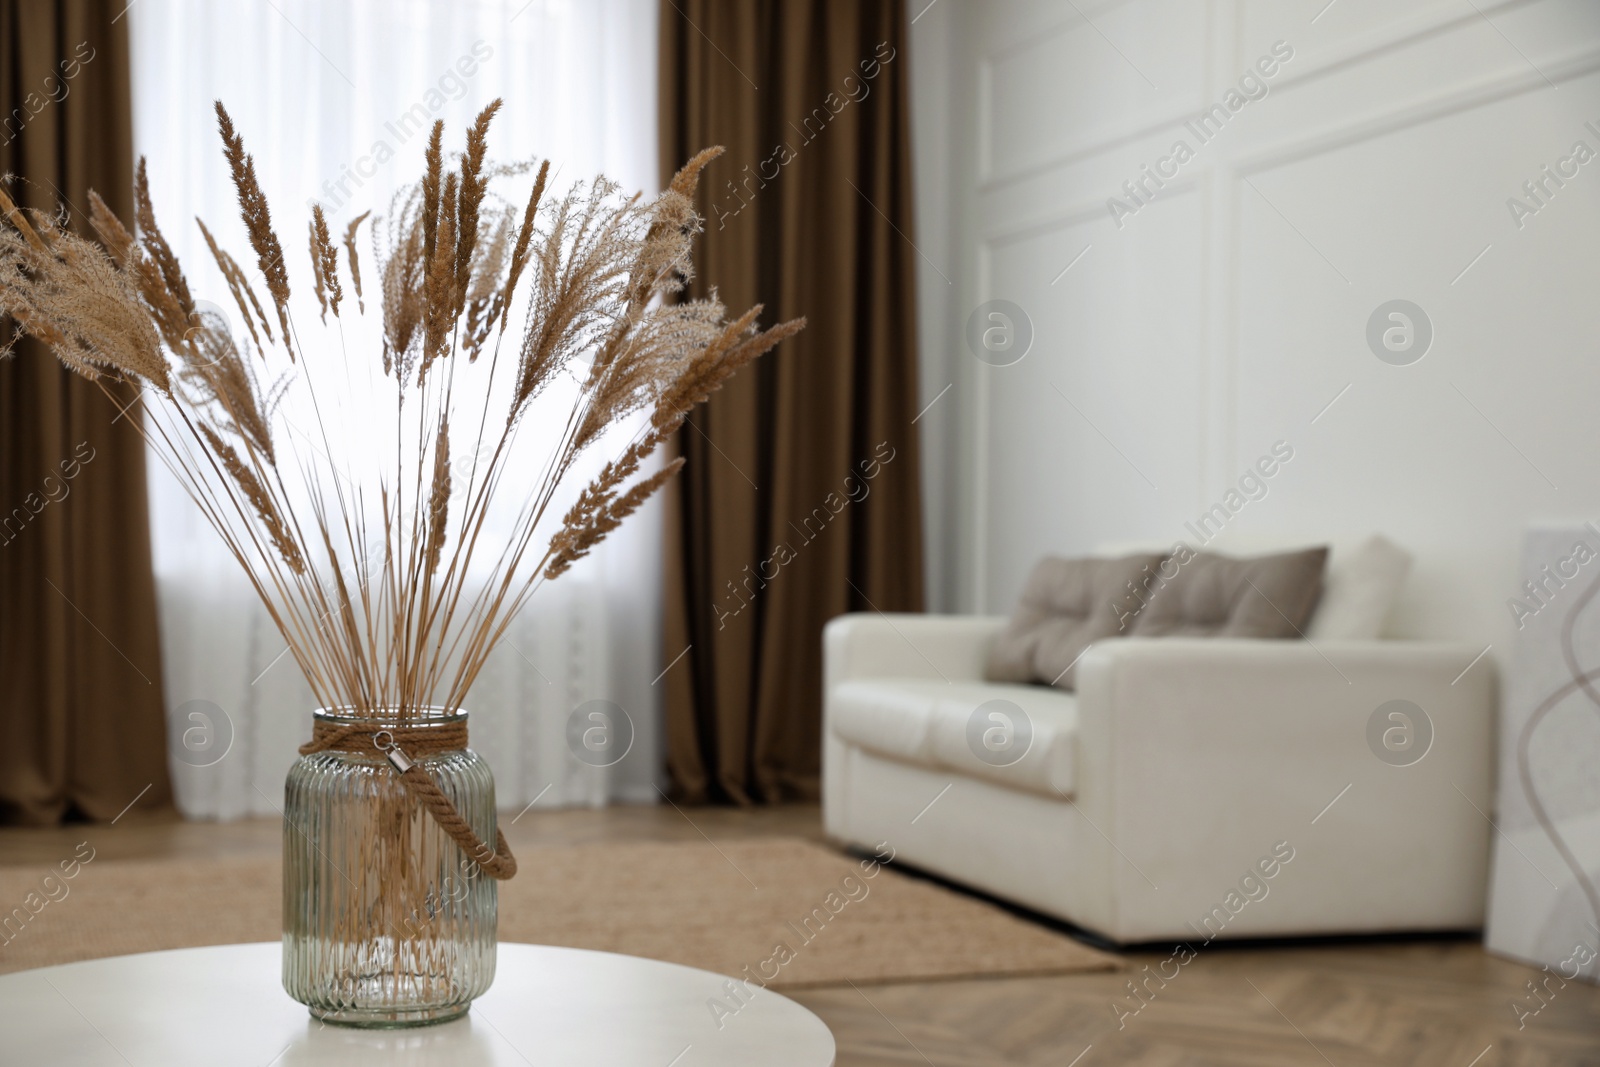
(562, 1007)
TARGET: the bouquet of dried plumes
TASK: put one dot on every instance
(372, 581)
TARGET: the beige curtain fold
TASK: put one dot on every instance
(800, 497)
(80, 662)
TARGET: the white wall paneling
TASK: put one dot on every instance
(1226, 313)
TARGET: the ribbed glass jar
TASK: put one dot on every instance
(386, 922)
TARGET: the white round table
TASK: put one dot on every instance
(563, 1007)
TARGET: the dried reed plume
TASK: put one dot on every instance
(355, 259)
(325, 265)
(232, 274)
(392, 588)
(257, 220)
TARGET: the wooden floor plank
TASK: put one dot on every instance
(1385, 1003)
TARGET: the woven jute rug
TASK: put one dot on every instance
(793, 912)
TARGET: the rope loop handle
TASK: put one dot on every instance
(498, 863)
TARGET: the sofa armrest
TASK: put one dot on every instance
(950, 648)
(933, 647)
(1197, 756)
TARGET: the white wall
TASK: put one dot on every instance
(1228, 312)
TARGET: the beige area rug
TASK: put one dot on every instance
(781, 905)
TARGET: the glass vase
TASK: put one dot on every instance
(386, 922)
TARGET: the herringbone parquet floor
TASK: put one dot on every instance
(1421, 1003)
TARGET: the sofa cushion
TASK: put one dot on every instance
(1205, 594)
(948, 725)
(1360, 590)
(1067, 605)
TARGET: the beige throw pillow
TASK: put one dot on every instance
(1211, 595)
(1068, 604)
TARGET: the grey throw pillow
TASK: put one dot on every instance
(1211, 595)
(1067, 605)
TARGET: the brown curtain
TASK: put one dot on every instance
(80, 664)
(800, 498)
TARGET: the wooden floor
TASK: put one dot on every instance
(1421, 1003)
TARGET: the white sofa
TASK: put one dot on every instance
(1151, 801)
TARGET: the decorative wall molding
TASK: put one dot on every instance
(1343, 134)
(1436, 20)
(1416, 26)
(1404, 115)
(1079, 212)
(1016, 207)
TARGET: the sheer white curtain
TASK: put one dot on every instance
(335, 102)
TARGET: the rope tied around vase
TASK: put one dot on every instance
(399, 744)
